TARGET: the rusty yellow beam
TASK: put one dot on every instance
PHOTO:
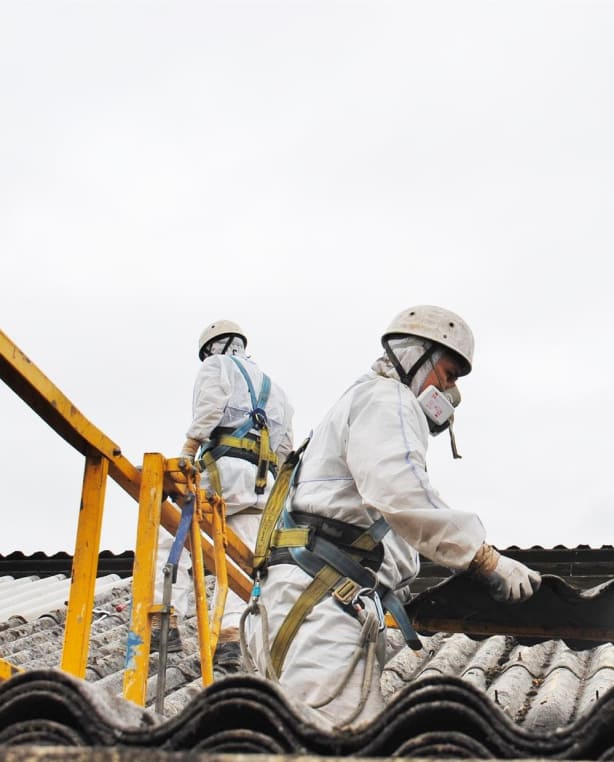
(37, 391)
(8, 670)
(221, 570)
(202, 608)
(235, 548)
(84, 567)
(41, 394)
(139, 635)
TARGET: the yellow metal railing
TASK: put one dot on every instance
(103, 458)
(8, 670)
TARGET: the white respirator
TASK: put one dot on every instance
(439, 407)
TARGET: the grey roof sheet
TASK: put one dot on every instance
(489, 697)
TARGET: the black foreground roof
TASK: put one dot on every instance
(438, 717)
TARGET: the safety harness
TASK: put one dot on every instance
(241, 442)
(342, 560)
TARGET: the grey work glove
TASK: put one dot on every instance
(507, 580)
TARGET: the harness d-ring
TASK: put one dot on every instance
(371, 592)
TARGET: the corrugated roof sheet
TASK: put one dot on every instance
(582, 618)
(435, 717)
(459, 696)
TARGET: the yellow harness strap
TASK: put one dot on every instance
(317, 589)
(274, 506)
(290, 538)
(261, 448)
(327, 580)
(243, 443)
(214, 474)
(264, 458)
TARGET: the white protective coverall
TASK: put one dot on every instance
(221, 398)
(366, 460)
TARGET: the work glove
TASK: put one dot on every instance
(507, 580)
(190, 448)
(180, 483)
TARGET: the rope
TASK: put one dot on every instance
(256, 608)
(366, 648)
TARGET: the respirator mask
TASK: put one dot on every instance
(439, 407)
(414, 358)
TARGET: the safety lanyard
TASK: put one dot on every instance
(275, 504)
(181, 535)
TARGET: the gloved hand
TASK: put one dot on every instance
(180, 491)
(508, 580)
(190, 448)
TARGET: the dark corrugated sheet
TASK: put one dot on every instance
(18, 565)
(582, 566)
(435, 717)
(581, 618)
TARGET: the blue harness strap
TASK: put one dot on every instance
(321, 552)
(257, 404)
(257, 417)
(181, 534)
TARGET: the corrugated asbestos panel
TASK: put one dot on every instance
(583, 566)
(17, 564)
(459, 696)
(437, 717)
(582, 618)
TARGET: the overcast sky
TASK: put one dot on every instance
(309, 169)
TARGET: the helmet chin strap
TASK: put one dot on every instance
(406, 377)
(228, 343)
(208, 349)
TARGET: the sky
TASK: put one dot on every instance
(309, 169)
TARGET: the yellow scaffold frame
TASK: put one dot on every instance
(104, 458)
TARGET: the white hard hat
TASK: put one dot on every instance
(441, 326)
(218, 330)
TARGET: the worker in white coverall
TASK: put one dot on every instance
(366, 462)
(221, 404)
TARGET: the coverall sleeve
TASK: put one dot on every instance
(212, 390)
(285, 446)
(386, 448)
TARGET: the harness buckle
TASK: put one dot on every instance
(358, 603)
(259, 418)
(311, 537)
(346, 591)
